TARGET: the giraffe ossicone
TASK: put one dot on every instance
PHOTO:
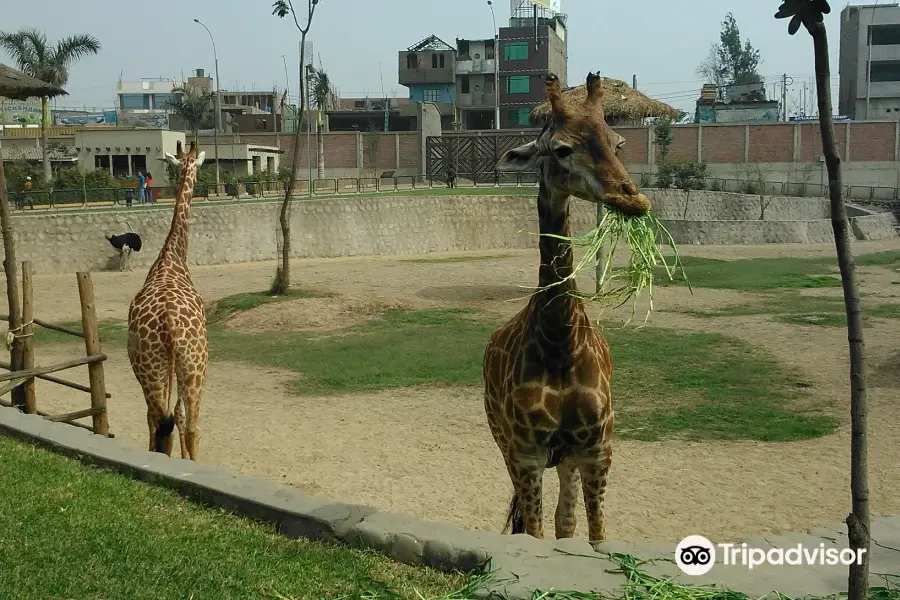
(547, 371)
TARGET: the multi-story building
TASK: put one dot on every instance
(533, 45)
(870, 62)
(144, 103)
(476, 72)
(428, 69)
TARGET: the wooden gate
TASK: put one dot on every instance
(474, 155)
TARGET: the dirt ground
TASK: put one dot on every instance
(428, 452)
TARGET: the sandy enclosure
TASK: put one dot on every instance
(428, 452)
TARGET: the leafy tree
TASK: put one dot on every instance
(731, 61)
(810, 14)
(283, 8)
(193, 105)
(33, 54)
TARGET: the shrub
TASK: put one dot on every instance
(682, 174)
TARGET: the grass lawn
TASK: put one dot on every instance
(71, 531)
(791, 307)
(762, 274)
(727, 390)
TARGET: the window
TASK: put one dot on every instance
(434, 61)
(885, 70)
(432, 95)
(516, 51)
(412, 61)
(134, 101)
(517, 84)
(162, 100)
(442, 60)
(464, 84)
(519, 116)
(885, 35)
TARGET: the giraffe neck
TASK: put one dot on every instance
(177, 240)
(554, 309)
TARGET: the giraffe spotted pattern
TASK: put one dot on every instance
(548, 372)
(167, 341)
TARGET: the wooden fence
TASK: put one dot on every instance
(94, 359)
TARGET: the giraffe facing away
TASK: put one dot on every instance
(167, 328)
(547, 371)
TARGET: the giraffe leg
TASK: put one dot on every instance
(180, 423)
(594, 467)
(527, 478)
(189, 388)
(568, 498)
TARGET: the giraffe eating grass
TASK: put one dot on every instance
(547, 372)
(167, 328)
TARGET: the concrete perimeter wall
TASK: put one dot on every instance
(329, 227)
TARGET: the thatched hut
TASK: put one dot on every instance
(16, 85)
(622, 104)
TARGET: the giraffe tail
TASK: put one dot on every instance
(515, 522)
(163, 432)
(167, 422)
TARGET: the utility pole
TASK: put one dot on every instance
(784, 97)
(869, 61)
(496, 67)
(218, 103)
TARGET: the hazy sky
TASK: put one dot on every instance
(662, 42)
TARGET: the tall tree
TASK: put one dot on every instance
(810, 14)
(731, 61)
(33, 54)
(193, 105)
(283, 8)
(322, 95)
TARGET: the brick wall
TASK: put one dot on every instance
(719, 144)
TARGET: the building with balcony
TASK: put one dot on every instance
(476, 72)
(533, 45)
(870, 91)
(428, 69)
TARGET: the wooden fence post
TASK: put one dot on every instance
(92, 345)
(28, 336)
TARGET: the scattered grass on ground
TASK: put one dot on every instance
(798, 309)
(71, 531)
(454, 259)
(762, 274)
(755, 274)
(667, 383)
(223, 308)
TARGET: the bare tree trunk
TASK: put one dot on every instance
(283, 273)
(45, 142)
(16, 359)
(320, 143)
(858, 520)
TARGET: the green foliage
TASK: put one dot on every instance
(681, 174)
(663, 136)
(33, 53)
(193, 105)
(17, 171)
(739, 62)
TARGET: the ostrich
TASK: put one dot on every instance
(125, 243)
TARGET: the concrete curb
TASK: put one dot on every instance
(521, 564)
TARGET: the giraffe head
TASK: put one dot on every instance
(576, 153)
(186, 162)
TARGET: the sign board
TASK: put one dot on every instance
(18, 112)
(807, 119)
(553, 5)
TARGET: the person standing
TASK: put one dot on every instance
(149, 188)
(26, 193)
(142, 187)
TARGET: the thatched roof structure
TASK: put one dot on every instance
(17, 85)
(620, 101)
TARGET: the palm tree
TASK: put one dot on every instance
(193, 105)
(33, 54)
(322, 94)
(810, 14)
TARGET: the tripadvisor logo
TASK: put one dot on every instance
(696, 555)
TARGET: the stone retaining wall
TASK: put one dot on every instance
(70, 241)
